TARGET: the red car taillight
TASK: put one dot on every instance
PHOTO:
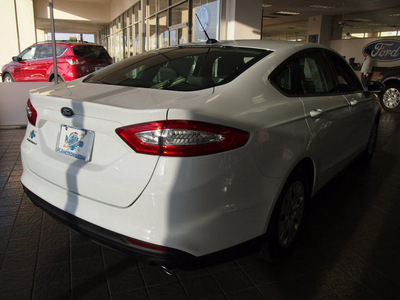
(31, 113)
(181, 138)
(75, 61)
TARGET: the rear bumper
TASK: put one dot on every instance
(150, 254)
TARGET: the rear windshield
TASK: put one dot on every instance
(180, 68)
(88, 52)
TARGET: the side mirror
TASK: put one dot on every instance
(16, 58)
(374, 87)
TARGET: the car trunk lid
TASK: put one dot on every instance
(112, 173)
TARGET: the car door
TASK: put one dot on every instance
(28, 63)
(362, 113)
(42, 63)
(327, 114)
(21, 67)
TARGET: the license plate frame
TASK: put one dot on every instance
(75, 142)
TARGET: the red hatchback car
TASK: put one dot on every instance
(74, 60)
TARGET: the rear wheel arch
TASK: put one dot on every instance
(288, 211)
(51, 77)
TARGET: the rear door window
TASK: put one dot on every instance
(46, 51)
(305, 74)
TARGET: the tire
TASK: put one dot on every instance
(390, 99)
(370, 149)
(286, 219)
(8, 78)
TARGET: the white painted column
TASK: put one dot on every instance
(319, 29)
(241, 19)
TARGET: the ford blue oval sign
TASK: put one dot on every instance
(384, 50)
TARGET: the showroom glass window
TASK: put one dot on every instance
(167, 23)
(208, 13)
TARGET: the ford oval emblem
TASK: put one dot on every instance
(67, 112)
(384, 50)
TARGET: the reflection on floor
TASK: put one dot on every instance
(348, 249)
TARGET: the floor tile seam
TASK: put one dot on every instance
(37, 257)
(144, 281)
(249, 278)
(105, 272)
(218, 284)
(9, 238)
(244, 290)
(183, 286)
(51, 284)
(374, 268)
(8, 177)
(366, 287)
(70, 263)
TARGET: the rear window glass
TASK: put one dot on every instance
(180, 68)
(88, 52)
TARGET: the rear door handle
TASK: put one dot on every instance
(316, 112)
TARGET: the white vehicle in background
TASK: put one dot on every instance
(179, 154)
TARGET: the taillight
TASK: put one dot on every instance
(31, 113)
(75, 61)
(181, 138)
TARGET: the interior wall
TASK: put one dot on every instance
(19, 29)
(13, 98)
(353, 48)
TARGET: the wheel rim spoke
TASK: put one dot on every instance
(291, 214)
(391, 98)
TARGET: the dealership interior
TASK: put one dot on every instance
(349, 244)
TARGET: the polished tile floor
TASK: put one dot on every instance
(349, 247)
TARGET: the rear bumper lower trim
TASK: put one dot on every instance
(170, 257)
(149, 253)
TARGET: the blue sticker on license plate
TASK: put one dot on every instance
(75, 142)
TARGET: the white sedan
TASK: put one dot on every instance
(183, 153)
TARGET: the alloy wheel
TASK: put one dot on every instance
(291, 213)
(391, 98)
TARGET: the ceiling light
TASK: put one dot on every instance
(286, 13)
(266, 5)
(321, 6)
(394, 15)
(358, 20)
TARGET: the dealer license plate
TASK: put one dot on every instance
(75, 142)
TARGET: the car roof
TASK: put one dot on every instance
(67, 43)
(267, 44)
(281, 49)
